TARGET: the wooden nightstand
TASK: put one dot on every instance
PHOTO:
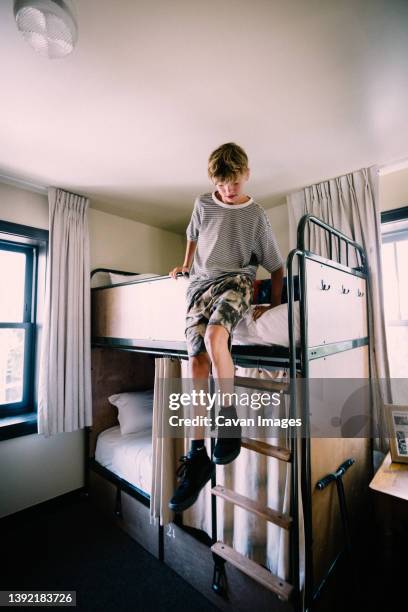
(392, 479)
(390, 485)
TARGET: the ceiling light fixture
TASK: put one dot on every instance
(49, 26)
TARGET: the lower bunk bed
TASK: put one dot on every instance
(294, 534)
(119, 475)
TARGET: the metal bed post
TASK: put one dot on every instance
(306, 472)
(218, 581)
(294, 440)
(213, 477)
(305, 467)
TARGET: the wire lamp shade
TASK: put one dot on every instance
(49, 26)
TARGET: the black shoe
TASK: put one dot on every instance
(228, 449)
(194, 472)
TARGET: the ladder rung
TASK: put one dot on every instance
(261, 383)
(256, 572)
(273, 516)
(258, 446)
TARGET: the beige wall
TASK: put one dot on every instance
(123, 244)
(21, 206)
(278, 216)
(394, 190)
(34, 468)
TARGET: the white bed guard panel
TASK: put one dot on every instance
(154, 311)
(148, 310)
(336, 304)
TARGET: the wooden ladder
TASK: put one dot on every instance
(247, 566)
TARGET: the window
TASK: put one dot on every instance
(22, 276)
(395, 264)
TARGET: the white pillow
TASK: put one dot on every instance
(100, 279)
(125, 278)
(135, 410)
(270, 328)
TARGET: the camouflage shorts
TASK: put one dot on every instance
(224, 303)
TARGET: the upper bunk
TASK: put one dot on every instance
(148, 316)
(325, 310)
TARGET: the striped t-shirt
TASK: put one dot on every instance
(231, 239)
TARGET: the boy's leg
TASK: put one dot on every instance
(228, 445)
(199, 361)
(209, 324)
(216, 341)
(196, 467)
(199, 372)
(233, 299)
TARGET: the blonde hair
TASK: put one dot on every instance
(227, 162)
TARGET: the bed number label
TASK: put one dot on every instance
(170, 531)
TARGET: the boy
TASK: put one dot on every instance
(228, 236)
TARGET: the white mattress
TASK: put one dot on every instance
(270, 329)
(128, 456)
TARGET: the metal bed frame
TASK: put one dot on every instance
(306, 355)
(297, 360)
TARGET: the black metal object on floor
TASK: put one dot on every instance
(337, 477)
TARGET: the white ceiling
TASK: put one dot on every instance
(310, 88)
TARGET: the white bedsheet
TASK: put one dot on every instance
(128, 456)
(270, 328)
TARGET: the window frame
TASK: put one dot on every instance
(392, 216)
(396, 214)
(27, 324)
(20, 418)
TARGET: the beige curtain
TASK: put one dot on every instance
(64, 392)
(259, 477)
(349, 203)
(164, 449)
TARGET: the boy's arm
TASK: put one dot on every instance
(270, 257)
(276, 286)
(188, 259)
(189, 256)
(276, 294)
(193, 231)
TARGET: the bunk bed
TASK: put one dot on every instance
(129, 330)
